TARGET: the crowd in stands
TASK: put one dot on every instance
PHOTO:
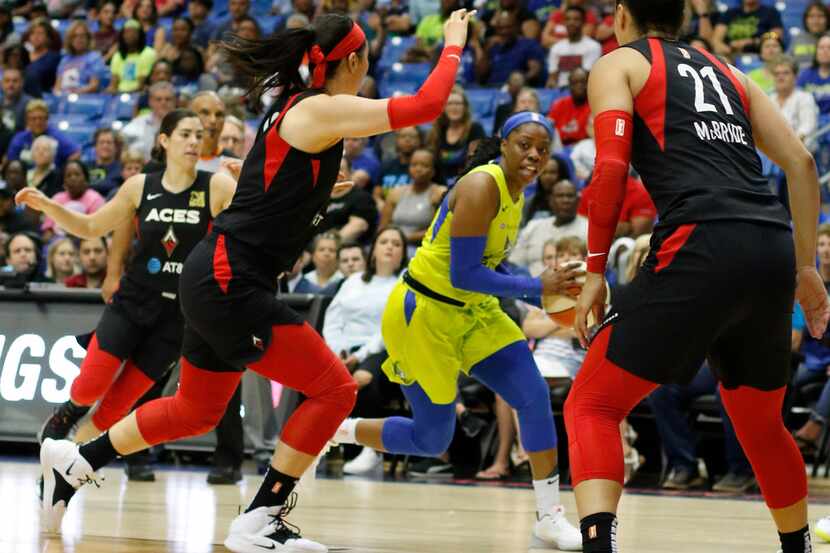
(85, 85)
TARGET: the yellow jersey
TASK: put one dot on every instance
(431, 264)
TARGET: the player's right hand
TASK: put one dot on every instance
(455, 28)
(812, 296)
(591, 299)
(560, 280)
(32, 198)
(109, 287)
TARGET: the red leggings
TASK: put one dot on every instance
(297, 358)
(603, 394)
(95, 382)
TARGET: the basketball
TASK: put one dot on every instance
(562, 309)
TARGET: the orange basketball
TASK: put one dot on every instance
(562, 309)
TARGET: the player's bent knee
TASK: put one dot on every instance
(434, 443)
(344, 397)
(86, 391)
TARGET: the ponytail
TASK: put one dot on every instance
(275, 61)
(486, 151)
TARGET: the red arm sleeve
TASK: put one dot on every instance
(613, 132)
(428, 103)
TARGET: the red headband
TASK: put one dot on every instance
(351, 42)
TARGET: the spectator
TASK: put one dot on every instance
(147, 15)
(798, 107)
(237, 9)
(739, 30)
(17, 57)
(169, 8)
(211, 110)
(80, 69)
(324, 257)
(22, 256)
(12, 106)
(605, 30)
(105, 37)
(555, 170)
(555, 28)
(12, 219)
(181, 36)
(351, 259)
(671, 404)
(232, 138)
(294, 282)
(816, 356)
(203, 28)
(506, 52)
(14, 175)
(411, 207)
(771, 50)
(395, 172)
(140, 133)
(132, 163)
(60, 260)
(8, 36)
(515, 83)
(352, 330)
(364, 163)
(92, 253)
(37, 124)
(815, 24)
(162, 71)
(77, 196)
(105, 169)
(564, 222)
(430, 30)
(189, 75)
(452, 134)
(576, 51)
(132, 62)
(527, 100)
(637, 214)
(701, 24)
(44, 175)
(528, 23)
(352, 214)
(816, 79)
(570, 114)
(44, 56)
(298, 9)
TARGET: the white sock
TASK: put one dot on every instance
(346, 434)
(547, 494)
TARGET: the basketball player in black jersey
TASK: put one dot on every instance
(724, 266)
(228, 285)
(142, 326)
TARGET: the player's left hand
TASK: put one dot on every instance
(592, 299)
(812, 296)
(233, 167)
(341, 188)
(351, 362)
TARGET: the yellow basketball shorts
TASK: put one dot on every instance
(430, 341)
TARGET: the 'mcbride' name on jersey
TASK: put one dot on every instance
(725, 132)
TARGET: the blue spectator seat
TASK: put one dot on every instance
(748, 62)
(92, 106)
(393, 49)
(122, 106)
(547, 96)
(67, 120)
(52, 101)
(80, 134)
(407, 73)
(482, 101)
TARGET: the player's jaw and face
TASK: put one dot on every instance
(353, 69)
(525, 153)
(185, 143)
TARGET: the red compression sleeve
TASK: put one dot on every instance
(428, 103)
(612, 131)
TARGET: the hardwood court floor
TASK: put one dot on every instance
(180, 513)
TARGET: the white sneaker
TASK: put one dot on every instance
(823, 528)
(264, 529)
(64, 471)
(554, 529)
(345, 433)
(367, 461)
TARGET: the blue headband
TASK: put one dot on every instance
(523, 117)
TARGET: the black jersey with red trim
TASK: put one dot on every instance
(168, 227)
(693, 143)
(281, 195)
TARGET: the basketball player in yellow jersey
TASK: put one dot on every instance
(443, 317)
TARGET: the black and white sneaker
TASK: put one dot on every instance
(265, 529)
(62, 421)
(64, 471)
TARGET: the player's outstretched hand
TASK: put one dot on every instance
(561, 280)
(455, 28)
(591, 299)
(812, 296)
(33, 198)
(233, 167)
(341, 187)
